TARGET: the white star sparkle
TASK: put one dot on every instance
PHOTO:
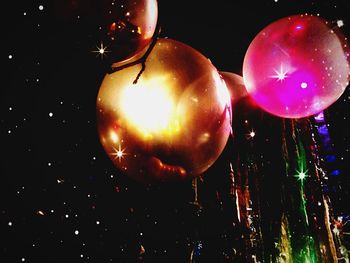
(101, 51)
(281, 74)
(118, 153)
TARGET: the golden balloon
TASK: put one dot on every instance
(130, 27)
(173, 123)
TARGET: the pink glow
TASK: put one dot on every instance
(296, 67)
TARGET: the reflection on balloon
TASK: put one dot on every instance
(235, 86)
(173, 123)
(297, 66)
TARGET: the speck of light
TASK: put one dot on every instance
(340, 23)
(41, 7)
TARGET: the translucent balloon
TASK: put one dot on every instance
(130, 26)
(173, 123)
(297, 66)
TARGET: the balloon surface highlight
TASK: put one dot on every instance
(297, 66)
(235, 86)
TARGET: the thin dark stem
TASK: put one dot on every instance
(141, 60)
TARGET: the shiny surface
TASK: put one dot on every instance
(172, 124)
(235, 86)
(297, 66)
(130, 26)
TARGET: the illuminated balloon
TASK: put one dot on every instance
(297, 66)
(130, 26)
(173, 123)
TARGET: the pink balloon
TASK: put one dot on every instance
(297, 66)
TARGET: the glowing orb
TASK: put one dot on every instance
(297, 66)
(173, 123)
(128, 27)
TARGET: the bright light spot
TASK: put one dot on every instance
(251, 134)
(101, 50)
(298, 27)
(41, 7)
(23, 259)
(127, 14)
(41, 213)
(194, 99)
(9, 223)
(222, 92)
(118, 153)
(281, 74)
(301, 175)
(97, 222)
(340, 23)
(149, 107)
(76, 232)
(10, 57)
(114, 137)
(50, 114)
(303, 85)
(203, 138)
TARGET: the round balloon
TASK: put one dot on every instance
(173, 123)
(297, 66)
(130, 26)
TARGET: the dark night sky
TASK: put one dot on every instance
(61, 198)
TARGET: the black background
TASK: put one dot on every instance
(56, 163)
